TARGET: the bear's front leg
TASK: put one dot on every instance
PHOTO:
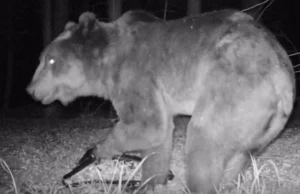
(153, 144)
(145, 126)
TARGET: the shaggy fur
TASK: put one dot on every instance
(223, 68)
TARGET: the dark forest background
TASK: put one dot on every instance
(27, 26)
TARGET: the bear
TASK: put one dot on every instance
(223, 68)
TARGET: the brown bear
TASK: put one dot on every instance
(223, 68)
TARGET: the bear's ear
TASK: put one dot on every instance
(87, 18)
(69, 25)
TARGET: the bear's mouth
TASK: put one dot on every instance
(61, 93)
(40, 95)
(48, 99)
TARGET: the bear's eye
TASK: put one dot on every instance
(51, 61)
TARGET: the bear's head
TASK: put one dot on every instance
(69, 65)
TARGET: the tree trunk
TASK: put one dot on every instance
(61, 16)
(254, 12)
(85, 5)
(166, 9)
(47, 22)
(10, 58)
(114, 9)
(194, 7)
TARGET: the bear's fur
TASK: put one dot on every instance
(223, 68)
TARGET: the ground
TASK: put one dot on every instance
(40, 151)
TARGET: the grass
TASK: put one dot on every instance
(253, 184)
(35, 154)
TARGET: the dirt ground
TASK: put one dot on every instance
(40, 151)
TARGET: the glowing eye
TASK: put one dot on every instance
(51, 61)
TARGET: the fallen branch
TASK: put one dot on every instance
(88, 158)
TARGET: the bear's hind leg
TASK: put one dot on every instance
(204, 161)
(235, 165)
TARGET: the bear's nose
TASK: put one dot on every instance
(31, 92)
(30, 89)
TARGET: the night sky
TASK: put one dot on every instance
(26, 42)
